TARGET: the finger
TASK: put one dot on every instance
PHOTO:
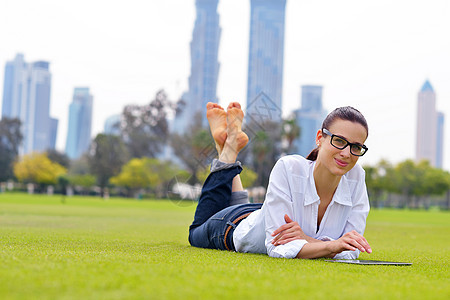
(278, 237)
(366, 245)
(362, 241)
(357, 245)
(282, 228)
(275, 240)
(287, 219)
(283, 242)
(287, 236)
(345, 245)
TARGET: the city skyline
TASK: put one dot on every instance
(375, 66)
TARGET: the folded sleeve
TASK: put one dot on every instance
(278, 202)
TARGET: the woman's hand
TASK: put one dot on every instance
(288, 232)
(350, 241)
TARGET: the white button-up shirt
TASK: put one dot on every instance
(292, 191)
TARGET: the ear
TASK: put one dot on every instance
(319, 137)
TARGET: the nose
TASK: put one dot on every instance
(346, 152)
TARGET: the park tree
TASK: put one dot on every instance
(58, 157)
(437, 181)
(264, 148)
(134, 176)
(107, 155)
(166, 171)
(290, 131)
(79, 175)
(379, 181)
(10, 140)
(37, 168)
(82, 182)
(412, 180)
(145, 173)
(432, 181)
(145, 129)
(80, 166)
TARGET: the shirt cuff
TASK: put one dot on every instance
(289, 250)
(347, 255)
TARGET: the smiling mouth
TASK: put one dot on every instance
(340, 163)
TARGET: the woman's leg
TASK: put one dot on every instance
(216, 191)
(217, 231)
(216, 194)
(213, 209)
(217, 118)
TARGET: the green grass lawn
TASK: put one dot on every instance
(88, 248)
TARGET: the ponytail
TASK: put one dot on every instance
(313, 155)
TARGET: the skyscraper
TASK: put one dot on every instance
(204, 65)
(430, 124)
(80, 119)
(440, 140)
(266, 52)
(26, 96)
(309, 118)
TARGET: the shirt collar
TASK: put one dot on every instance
(341, 196)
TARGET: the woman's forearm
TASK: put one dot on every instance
(316, 249)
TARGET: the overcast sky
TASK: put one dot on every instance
(374, 55)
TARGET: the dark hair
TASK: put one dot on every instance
(346, 113)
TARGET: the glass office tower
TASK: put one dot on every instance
(265, 61)
(204, 66)
(26, 96)
(80, 120)
(309, 118)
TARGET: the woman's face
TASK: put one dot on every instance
(339, 162)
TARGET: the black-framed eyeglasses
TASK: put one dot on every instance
(341, 143)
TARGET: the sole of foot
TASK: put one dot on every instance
(217, 118)
(235, 117)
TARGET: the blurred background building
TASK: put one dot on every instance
(80, 120)
(112, 125)
(204, 66)
(309, 118)
(440, 140)
(26, 96)
(430, 127)
(266, 51)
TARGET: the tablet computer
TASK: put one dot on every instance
(368, 262)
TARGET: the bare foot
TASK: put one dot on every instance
(217, 118)
(235, 136)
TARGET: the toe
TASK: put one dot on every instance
(234, 105)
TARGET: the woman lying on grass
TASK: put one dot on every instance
(314, 207)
